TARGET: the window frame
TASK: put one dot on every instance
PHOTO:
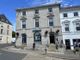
(24, 13)
(67, 27)
(50, 9)
(65, 15)
(36, 11)
(23, 24)
(76, 14)
(51, 22)
(1, 31)
(36, 22)
(77, 26)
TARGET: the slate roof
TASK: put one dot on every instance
(4, 19)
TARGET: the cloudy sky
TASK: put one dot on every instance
(8, 7)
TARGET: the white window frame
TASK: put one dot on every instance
(67, 25)
(51, 20)
(22, 23)
(77, 25)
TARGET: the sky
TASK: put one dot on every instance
(8, 7)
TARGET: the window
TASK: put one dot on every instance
(50, 21)
(1, 26)
(24, 13)
(66, 27)
(36, 11)
(7, 26)
(1, 31)
(65, 15)
(7, 32)
(23, 23)
(78, 26)
(0, 37)
(36, 22)
(75, 13)
(50, 10)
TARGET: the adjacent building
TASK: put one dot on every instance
(39, 25)
(70, 22)
(5, 30)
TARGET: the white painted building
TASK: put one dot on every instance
(5, 30)
(70, 22)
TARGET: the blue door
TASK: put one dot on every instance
(23, 38)
(37, 37)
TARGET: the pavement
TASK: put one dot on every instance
(40, 55)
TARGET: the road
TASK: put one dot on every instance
(33, 55)
(9, 55)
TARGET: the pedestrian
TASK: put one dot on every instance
(76, 48)
(33, 46)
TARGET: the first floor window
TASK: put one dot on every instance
(78, 26)
(37, 23)
(23, 23)
(66, 27)
(50, 21)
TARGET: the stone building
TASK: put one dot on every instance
(39, 25)
(5, 30)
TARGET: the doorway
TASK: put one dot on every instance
(52, 37)
(37, 37)
(23, 38)
(67, 43)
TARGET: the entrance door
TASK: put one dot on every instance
(67, 42)
(37, 37)
(23, 38)
(52, 38)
